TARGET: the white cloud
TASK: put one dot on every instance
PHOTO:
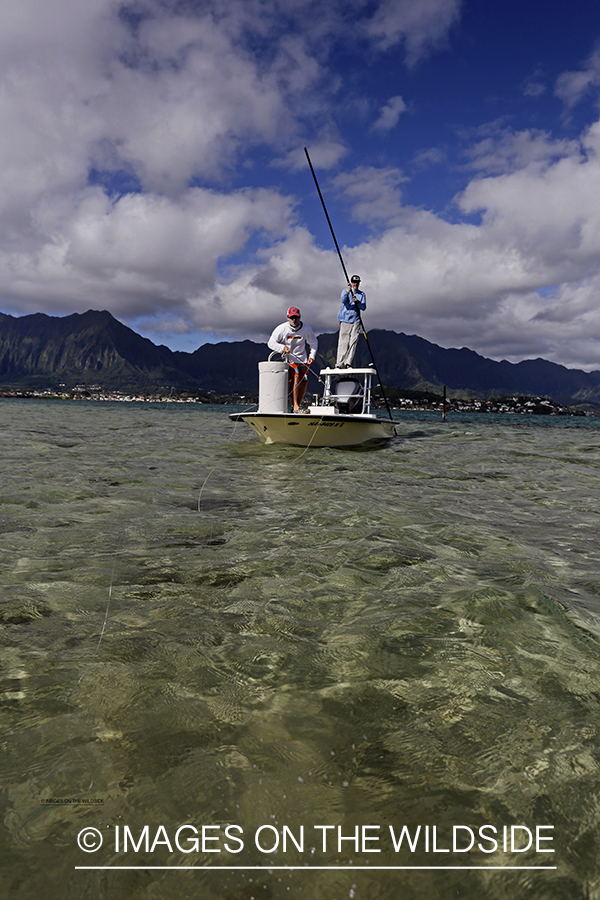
(431, 156)
(190, 104)
(535, 84)
(421, 26)
(389, 114)
(501, 149)
(325, 153)
(176, 99)
(184, 93)
(571, 87)
(295, 271)
(143, 252)
(373, 193)
(546, 209)
(181, 94)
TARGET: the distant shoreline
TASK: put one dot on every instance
(521, 405)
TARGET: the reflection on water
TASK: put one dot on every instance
(200, 630)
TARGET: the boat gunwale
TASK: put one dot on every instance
(366, 418)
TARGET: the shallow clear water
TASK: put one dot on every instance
(200, 630)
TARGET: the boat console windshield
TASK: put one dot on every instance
(345, 392)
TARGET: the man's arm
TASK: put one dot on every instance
(313, 344)
(352, 299)
(275, 342)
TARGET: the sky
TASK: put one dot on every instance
(152, 164)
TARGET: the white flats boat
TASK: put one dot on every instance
(342, 417)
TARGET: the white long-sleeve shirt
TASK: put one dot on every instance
(295, 339)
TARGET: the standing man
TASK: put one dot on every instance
(353, 299)
(290, 339)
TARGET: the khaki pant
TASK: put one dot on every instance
(347, 341)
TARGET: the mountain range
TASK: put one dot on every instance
(94, 348)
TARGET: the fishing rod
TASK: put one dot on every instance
(344, 270)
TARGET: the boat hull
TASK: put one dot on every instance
(315, 430)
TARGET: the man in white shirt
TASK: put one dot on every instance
(290, 339)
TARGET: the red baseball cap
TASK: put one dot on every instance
(293, 311)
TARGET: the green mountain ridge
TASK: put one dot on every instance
(94, 348)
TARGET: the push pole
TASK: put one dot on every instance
(339, 252)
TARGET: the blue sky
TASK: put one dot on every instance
(152, 164)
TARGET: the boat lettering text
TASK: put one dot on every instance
(322, 424)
